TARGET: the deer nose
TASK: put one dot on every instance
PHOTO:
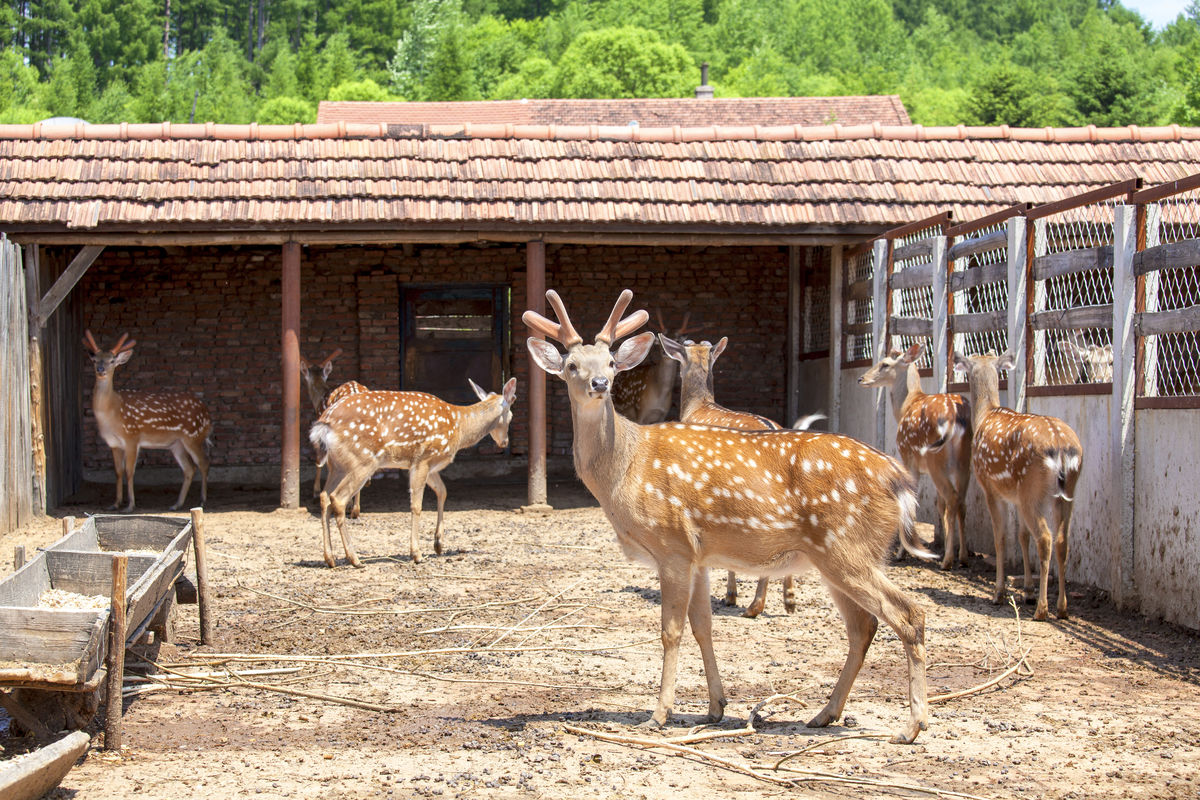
(600, 384)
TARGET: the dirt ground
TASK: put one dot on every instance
(530, 622)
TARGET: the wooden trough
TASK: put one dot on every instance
(52, 660)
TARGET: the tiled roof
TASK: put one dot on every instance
(648, 113)
(783, 181)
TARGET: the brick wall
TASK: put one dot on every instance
(207, 320)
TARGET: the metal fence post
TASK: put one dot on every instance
(879, 322)
(1018, 243)
(939, 336)
(1121, 417)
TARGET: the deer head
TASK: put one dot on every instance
(889, 369)
(105, 361)
(316, 378)
(499, 429)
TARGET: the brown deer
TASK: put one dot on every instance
(316, 382)
(643, 394)
(683, 498)
(133, 421)
(1028, 460)
(697, 406)
(933, 436)
(370, 431)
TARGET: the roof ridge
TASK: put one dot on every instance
(782, 133)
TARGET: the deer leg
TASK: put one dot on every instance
(344, 484)
(731, 588)
(700, 617)
(326, 542)
(860, 629)
(996, 512)
(356, 508)
(1035, 522)
(945, 507)
(676, 584)
(789, 594)
(200, 455)
(118, 455)
(339, 510)
(417, 476)
(960, 508)
(439, 489)
(760, 599)
(189, 471)
(317, 482)
(1061, 551)
(131, 455)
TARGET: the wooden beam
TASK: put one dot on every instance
(289, 491)
(996, 240)
(1178, 320)
(1167, 256)
(918, 249)
(65, 283)
(977, 276)
(114, 707)
(913, 277)
(1054, 265)
(910, 326)
(980, 322)
(1068, 318)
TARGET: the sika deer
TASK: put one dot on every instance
(643, 394)
(933, 436)
(683, 498)
(133, 421)
(370, 431)
(697, 406)
(316, 381)
(1029, 460)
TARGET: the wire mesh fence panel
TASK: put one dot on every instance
(913, 301)
(814, 306)
(1171, 361)
(981, 298)
(1065, 356)
(858, 345)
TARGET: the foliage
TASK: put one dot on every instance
(1016, 62)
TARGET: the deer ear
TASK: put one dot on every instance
(510, 391)
(716, 351)
(121, 357)
(545, 355)
(480, 393)
(961, 362)
(673, 349)
(1007, 361)
(913, 353)
(633, 351)
(327, 370)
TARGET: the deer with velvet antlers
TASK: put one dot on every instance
(933, 436)
(1031, 461)
(321, 396)
(683, 498)
(370, 431)
(698, 406)
(133, 421)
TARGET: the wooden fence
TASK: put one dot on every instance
(16, 450)
(1098, 297)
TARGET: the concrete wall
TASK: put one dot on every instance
(1166, 535)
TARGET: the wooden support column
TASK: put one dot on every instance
(289, 490)
(794, 326)
(203, 593)
(37, 395)
(1121, 417)
(940, 340)
(1017, 230)
(535, 300)
(114, 704)
(837, 339)
(881, 264)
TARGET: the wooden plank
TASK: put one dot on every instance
(1179, 320)
(25, 586)
(1172, 255)
(115, 532)
(1053, 265)
(858, 328)
(34, 775)
(90, 573)
(980, 322)
(151, 588)
(45, 636)
(859, 290)
(918, 249)
(1188, 401)
(977, 276)
(912, 277)
(910, 326)
(1069, 389)
(66, 282)
(996, 240)
(1065, 319)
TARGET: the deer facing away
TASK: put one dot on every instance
(370, 431)
(321, 396)
(697, 406)
(133, 421)
(682, 498)
(1031, 461)
(933, 436)
(643, 394)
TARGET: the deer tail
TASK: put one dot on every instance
(322, 438)
(905, 490)
(1064, 462)
(805, 422)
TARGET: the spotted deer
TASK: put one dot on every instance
(698, 406)
(1029, 460)
(933, 437)
(316, 382)
(371, 430)
(643, 394)
(682, 498)
(133, 421)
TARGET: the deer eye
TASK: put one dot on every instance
(612, 365)
(572, 368)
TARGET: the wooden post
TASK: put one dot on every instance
(880, 269)
(203, 596)
(289, 491)
(18, 557)
(37, 405)
(68, 525)
(794, 324)
(939, 339)
(837, 339)
(535, 300)
(1121, 417)
(116, 655)
(1018, 250)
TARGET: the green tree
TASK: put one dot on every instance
(285, 111)
(18, 82)
(338, 63)
(282, 80)
(1108, 82)
(450, 76)
(364, 90)
(112, 105)
(1006, 94)
(534, 78)
(624, 62)
(417, 44)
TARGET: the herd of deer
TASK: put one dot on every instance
(719, 488)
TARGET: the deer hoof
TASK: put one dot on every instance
(330, 562)
(753, 611)
(1041, 614)
(821, 720)
(354, 562)
(909, 734)
(653, 723)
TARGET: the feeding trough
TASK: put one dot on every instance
(56, 612)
